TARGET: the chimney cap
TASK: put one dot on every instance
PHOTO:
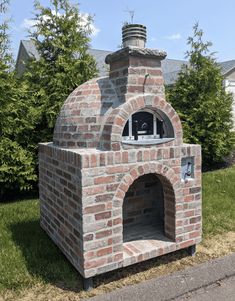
(134, 35)
(137, 52)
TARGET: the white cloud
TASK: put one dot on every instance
(85, 21)
(94, 30)
(29, 23)
(176, 36)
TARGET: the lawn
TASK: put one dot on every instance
(29, 259)
(27, 255)
(218, 200)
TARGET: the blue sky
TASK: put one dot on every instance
(168, 22)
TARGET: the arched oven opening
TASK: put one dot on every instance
(147, 127)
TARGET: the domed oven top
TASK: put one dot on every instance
(124, 110)
(94, 116)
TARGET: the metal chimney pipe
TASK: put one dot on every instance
(134, 35)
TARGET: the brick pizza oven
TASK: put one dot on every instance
(117, 184)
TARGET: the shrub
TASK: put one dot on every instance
(202, 102)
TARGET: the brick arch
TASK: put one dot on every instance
(171, 190)
(111, 136)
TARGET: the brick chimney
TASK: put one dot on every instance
(134, 68)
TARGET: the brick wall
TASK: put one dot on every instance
(61, 200)
(82, 195)
(144, 202)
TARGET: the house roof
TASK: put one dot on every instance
(227, 66)
(30, 48)
(170, 67)
(100, 56)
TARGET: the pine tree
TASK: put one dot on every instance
(202, 102)
(29, 105)
(61, 37)
(16, 161)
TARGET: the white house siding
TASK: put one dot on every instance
(230, 87)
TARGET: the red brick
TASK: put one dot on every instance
(125, 157)
(120, 194)
(115, 169)
(102, 159)
(112, 187)
(188, 198)
(93, 161)
(140, 170)
(179, 223)
(153, 153)
(146, 155)
(194, 220)
(139, 156)
(89, 255)
(115, 146)
(134, 173)
(129, 252)
(95, 263)
(189, 213)
(118, 157)
(104, 179)
(189, 228)
(124, 187)
(88, 136)
(103, 215)
(102, 234)
(135, 89)
(110, 223)
(118, 257)
(195, 234)
(119, 121)
(109, 206)
(156, 72)
(117, 221)
(94, 190)
(186, 244)
(104, 251)
(104, 197)
(93, 209)
(179, 207)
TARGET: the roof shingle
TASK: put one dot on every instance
(170, 67)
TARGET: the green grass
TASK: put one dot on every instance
(218, 199)
(28, 257)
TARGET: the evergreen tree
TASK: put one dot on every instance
(202, 102)
(29, 105)
(61, 36)
(16, 162)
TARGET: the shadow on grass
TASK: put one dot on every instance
(45, 261)
(17, 196)
(43, 258)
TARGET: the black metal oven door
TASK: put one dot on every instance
(144, 123)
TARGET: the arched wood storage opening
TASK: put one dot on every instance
(149, 209)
